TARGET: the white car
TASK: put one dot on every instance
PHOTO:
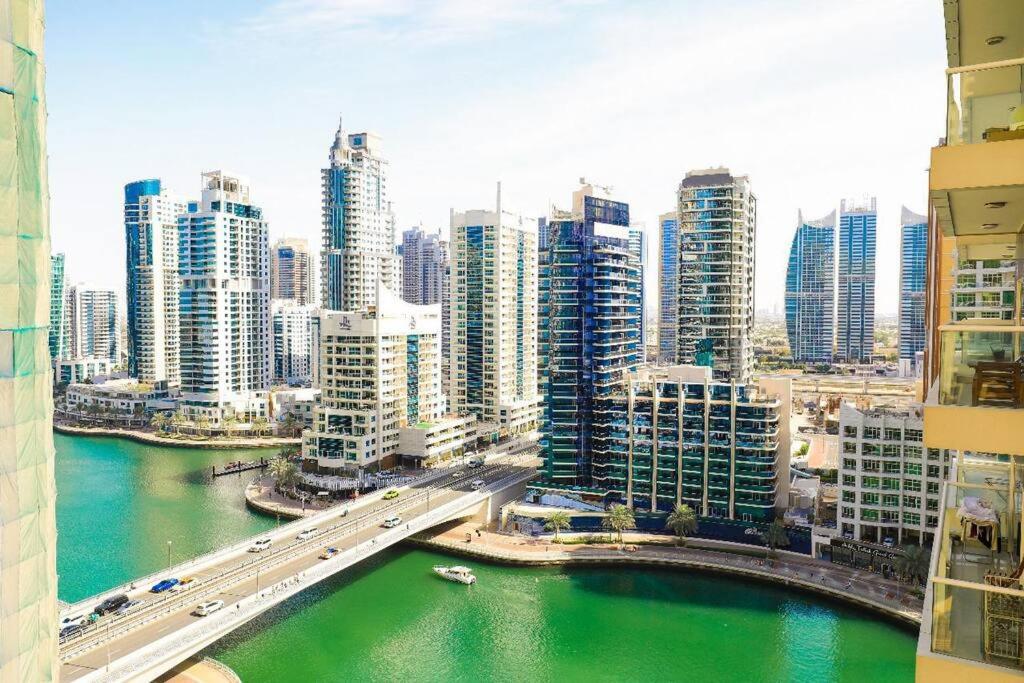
(260, 545)
(392, 522)
(478, 483)
(129, 607)
(306, 533)
(208, 608)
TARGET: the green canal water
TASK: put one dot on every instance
(391, 619)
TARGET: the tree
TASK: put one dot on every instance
(261, 425)
(619, 519)
(158, 422)
(290, 424)
(203, 423)
(682, 521)
(284, 472)
(912, 563)
(775, 536)
(558, 520)
(230, 422)
(178, 421)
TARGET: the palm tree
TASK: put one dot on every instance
(775, 536)
(285, 473)
(178, 420)
(683, 521)
(203, 423)
(261, 425)
(158, 422)
(230, 422)
(619, 518)
(912, 563)
(558, 520)
(290, 424)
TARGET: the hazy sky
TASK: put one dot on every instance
(813, 100)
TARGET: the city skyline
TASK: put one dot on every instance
(429, 172)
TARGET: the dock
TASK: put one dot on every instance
(239, 467)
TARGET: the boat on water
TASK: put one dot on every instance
(458, 574)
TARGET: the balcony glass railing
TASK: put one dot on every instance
(985, 103)
(982, 365)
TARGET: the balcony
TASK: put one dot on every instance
(984, 103)
(977, 404)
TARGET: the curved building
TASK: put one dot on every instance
(810, 290)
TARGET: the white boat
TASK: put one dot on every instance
(457, 574)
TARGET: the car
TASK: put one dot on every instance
(111, 604)
(457, 473)
(75, 620)
(260, 545)
(476, 462)
(70, 630)
(391, 495)
(328, 553)
(889, 542)
(182, 583)
(478, 484)
(129, 607)
(165, 585)
(392, 522)
(207, 608)
(306, 533)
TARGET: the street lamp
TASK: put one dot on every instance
(168, 555)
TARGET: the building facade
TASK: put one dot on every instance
(153, 286)
(28, 549)
(717, 229)
(810, 290)
(91, 323)
(668, 287)
(855, 339)
(359, 228)
(56, 340)
(493, 319)
(292, 328)
(291, 271)
(913, 257)
(424, 260)
(224, 263)
(590, 337)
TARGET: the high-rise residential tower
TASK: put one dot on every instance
(151, 234)
(91, 323)
(28, 533)
(359, 228)
(668, 287)
(810, 290)
(638, 245)
(589, 319)
(292, 326)
(424, 259)
(717, 229)
(493, 311)
(56, 339)
(291, 271)
(913, 258)
(224, 262)
(855, 339)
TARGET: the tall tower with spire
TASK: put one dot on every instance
(359, 227)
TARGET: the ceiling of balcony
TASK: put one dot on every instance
(971, 23)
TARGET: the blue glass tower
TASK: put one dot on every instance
(913, 265)
(856, 296)
(668, 286)
(810, 290)
(138, 253)
(590, 341)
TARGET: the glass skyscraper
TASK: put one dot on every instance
(668, 286)
(913, 266)
(856, 296)
(56, 336)
(590, 338)
(810, 290)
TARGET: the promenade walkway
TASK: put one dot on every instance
(864, 589)
(184, 442)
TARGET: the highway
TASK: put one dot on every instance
(242, 574)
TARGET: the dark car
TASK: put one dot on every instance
(111, 604)
(164, 585)
(70, 630)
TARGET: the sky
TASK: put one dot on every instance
(814, 100)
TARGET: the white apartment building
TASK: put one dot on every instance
(153, 286)
(493, 320)
(72, 370)
(889, 483)
(358, 226)
(379, 371)
(424, 260)
(292, 346)
(984, 289)
(91, 323)
(225, 303)
(717, 224)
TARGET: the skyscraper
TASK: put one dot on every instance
(28, 553)
(56, 335)
(91, 323)
(424, 258)
(224, 262)
(359, 228)
(291, 271)
(589, 335)
(291, 325)
(717, 229)
(810, 290)
(913, 260)
(856, 296)
(493, 310)
(151, 234)
(638, 245)
(668, 287)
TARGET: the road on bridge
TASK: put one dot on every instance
(242, 574)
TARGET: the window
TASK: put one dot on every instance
(890, 500)
(912, 518)
(891, 467)
(912, 452)
(893, 434)
(849, 480)
(872, 432)
(912, 468)
(849, 464)
(932, 504)
(933, 471)
(890, 484)
(913, 435)
(849, 447)
(872, 466)
(848, 512)
(869, 515)
(890, 451)
(869, 482)
(849, 497)
(911, 485)
(911, 502)
(934, 454)
(933, 487)
(867, 498)
(931, 521)
(850, 431)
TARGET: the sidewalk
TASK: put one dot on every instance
(261, 496)
(862, 588)
(153, 438)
